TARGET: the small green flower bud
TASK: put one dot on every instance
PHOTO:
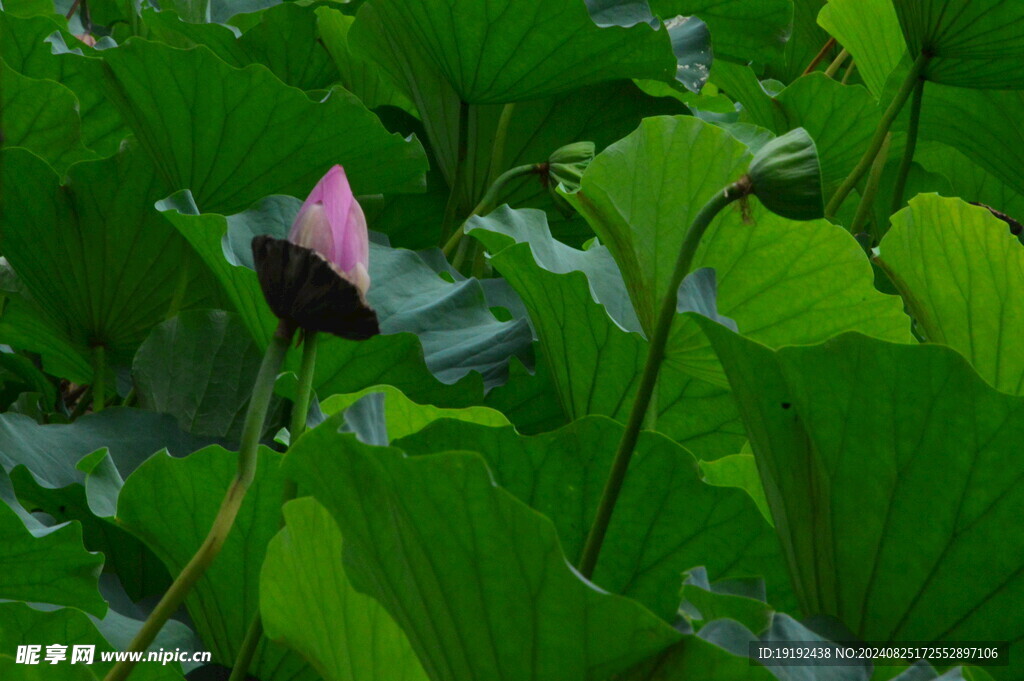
(786, 176)
(567, 164)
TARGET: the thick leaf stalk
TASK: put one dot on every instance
(487, 203)
(652, 365)
(879, 137)
(908, 152)
(255, 417)
(297, 424)
(99, 381)
(867, 199)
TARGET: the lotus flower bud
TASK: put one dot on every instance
(786, 176)
(332, 223)
(567, 164)
(317, 279)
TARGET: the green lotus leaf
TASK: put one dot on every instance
(962, 275)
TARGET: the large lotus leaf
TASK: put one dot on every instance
(584, 323)
(601, 114)
(124, 555)
(492, 595)
(269, 138)
(44, 463)
(969, 180)
(302, 581)
(284, 39)
(496, 51)
(101, 264)
(41, 116)
(666, 520)
(984, 125)
(786, 283)
(170, 28)
(884, 530)
(223, 10)
(360, 76)
(51, 452)
(25, 325)
(25, 48)
(529, 399)
(46, 564)
(19, 370)
(23, 625)
(743, 31)
(199, 367)
(170, 503)
(840, 119)
(344, 366)
(973, 43)
(782, 282)
(641, 194)
(962, 275)
(29, 8)
(740, 471)
(404, 417)
(870, 31)
(806, 39)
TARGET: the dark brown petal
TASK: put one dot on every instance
(302, 288)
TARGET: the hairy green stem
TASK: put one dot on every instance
(908, 152)
(867, 199)
(297, 425)
(255, 417)
(649, 378)
(487, 202)
(876, 141)
(99, 377)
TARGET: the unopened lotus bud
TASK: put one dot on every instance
(786, 176)
(567, 164)
(332, 223)
(318, 278)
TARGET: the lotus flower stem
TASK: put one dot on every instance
(818, 58)
(253, 634)
(99, 377)
(836, 63)
(305, 388)
(451, 209)
(255, 416)
(652, 365)
(300, 410)
(867, 199)
(849, 72)
(487, 202)
(500, 135)
(880, 132)
(908, 152)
